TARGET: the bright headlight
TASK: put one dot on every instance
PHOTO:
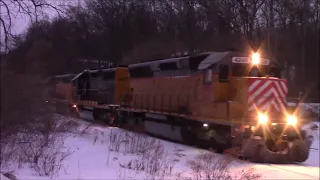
(255, 58)
(262, 118)
(292, 120)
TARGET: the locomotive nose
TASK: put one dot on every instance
(265, 94)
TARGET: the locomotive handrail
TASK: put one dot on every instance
(142, 101)
(88, 89)
(169, 103)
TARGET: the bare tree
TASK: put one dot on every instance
(23, 95)
(131, 30)
(34, 9)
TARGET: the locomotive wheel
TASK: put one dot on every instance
(211, 144)
(204, 144)
(187, 136)
(105, 118)
(95, 114)
(102, 116)
(220, 148)
(119, 121)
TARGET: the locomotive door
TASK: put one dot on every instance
(82, 84)
(206, 87)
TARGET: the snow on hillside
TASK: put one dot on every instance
(111, 153)
(2, 177)
(311, 107)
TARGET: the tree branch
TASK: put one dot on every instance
(6, 27)
(24, 7)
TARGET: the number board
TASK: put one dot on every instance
(246, 60)
(264, 61)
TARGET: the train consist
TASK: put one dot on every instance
(223, 100)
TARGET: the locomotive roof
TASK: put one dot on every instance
(212, 58)
(93, 71)
(77, 76)
(64, 75)
(175, 59)
(157, 61)
(101, 70)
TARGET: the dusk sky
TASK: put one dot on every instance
(20, 24)
(21, 21)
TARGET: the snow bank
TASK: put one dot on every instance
(312, 107)
(2, 177)
(105, 153)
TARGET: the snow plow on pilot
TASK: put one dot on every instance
(227, 101)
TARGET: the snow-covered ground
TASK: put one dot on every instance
(111, 153)
(312, 107)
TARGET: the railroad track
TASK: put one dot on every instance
(273, 166)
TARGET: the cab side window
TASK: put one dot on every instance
(254, 72)
(223, 73)
(207, 76)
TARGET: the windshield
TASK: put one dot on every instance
(242, 70)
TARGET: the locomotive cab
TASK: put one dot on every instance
(101, 87)
(63, 87)
(249, 92)
(250, 84)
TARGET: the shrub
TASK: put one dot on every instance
(211, 166)
(42, 147)
(149, 154)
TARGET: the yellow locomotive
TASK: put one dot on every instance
(223, 100)
(61, 92)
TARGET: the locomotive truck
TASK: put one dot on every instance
(227, 101)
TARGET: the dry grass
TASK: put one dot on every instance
(149, 154)
(150, 157)
(211, 166)
(41, 148)
(30, 133)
